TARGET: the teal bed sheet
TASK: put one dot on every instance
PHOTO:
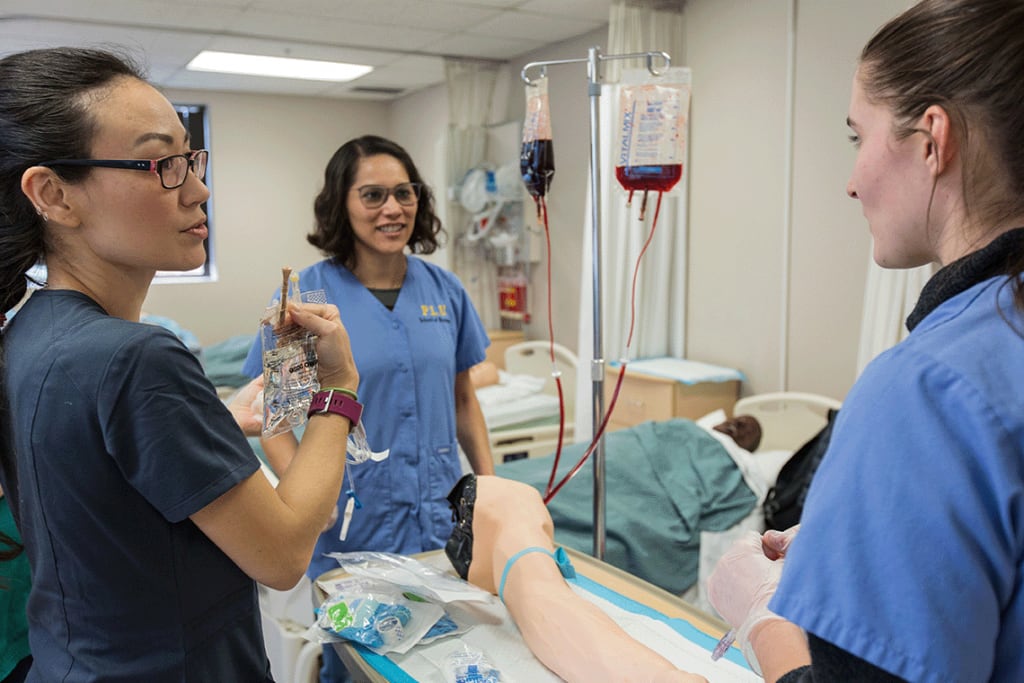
(665, 483)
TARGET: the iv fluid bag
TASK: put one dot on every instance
(652, 123)
(537, 160)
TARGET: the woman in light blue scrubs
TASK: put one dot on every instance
(909, 562)
(415, 335)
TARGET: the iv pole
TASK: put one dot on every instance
(593, 60)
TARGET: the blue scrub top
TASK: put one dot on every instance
(407, 359)
(911, 550)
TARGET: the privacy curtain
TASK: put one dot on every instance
(661, 285)
(470, 93)
(889, 297)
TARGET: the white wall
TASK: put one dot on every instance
(785, 312)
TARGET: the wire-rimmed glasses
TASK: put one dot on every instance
(376, 196)
(172, 169)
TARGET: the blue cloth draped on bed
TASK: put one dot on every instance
(665, 481)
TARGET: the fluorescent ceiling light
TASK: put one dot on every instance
(277, 67)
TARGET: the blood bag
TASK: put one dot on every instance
(653, 113)
(537, 160)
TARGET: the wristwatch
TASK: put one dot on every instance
(332, 401)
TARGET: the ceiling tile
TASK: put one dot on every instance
(405, 40)
(580, 9)
(486, 47)
(334, 31)
(409, 13)
(539, 28)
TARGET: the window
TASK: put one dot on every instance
(193, 117)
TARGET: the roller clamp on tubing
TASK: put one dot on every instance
(338, 401)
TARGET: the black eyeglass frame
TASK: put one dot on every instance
(156, 166)
(417, 190)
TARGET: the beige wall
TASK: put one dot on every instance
(267, 161)
(777, 260)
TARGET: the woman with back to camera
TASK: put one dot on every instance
(142, 508)
(909, 561)
(415, 335)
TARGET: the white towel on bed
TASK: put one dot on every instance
(515, 399)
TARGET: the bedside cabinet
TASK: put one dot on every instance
(501, 340)
(680, 389)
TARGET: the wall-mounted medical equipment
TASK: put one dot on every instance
(494, 199)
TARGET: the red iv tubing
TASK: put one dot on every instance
(551, 490)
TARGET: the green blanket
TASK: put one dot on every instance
(665, 481)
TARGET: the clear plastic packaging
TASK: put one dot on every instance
(409, 574)
(468, 665)
(289, 361)
(376, 615)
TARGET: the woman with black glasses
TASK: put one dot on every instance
(415, 335)
(143, 511)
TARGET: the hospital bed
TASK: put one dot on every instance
(788, 421)
(522, 409)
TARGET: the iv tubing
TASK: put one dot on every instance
(594, 57)
(622, 371)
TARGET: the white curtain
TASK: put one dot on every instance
(889, 297)
(470, 94)
(661, 286)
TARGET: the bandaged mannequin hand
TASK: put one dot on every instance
(776, 543)
(741, 585)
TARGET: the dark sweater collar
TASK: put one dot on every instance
(966, 272)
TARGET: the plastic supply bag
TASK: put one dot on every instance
(409, 574)
(289, 361)
(374, 614)
(468, 665)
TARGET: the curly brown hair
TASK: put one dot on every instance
(333, 234)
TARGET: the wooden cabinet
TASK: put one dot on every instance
(501, 340)
(650, 397)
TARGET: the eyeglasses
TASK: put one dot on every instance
(376, 196)
(172, 169)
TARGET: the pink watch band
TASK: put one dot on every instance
(332, 401)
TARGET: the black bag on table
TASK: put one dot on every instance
(785, 500)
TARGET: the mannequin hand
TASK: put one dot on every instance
(776, 543)
(741, 586)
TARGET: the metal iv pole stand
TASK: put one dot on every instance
(593, 60)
